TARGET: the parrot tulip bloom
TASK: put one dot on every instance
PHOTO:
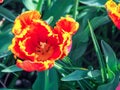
(37, 45)
(113, 12)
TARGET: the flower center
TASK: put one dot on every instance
(43, 51)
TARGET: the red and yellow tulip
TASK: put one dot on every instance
(113, 12)
(36, 45)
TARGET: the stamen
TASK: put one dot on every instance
(43, 51)
(42, 44)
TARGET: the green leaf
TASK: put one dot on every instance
(75, 9)
(49, 20)
(12, 69)
(97, 3)
(83, 36)
(94, 73)
(53, 80)
(2, 65)
(7, 89)
(58, 9)
(76, 75)
(111, 63)
(80, 40)
(67, 60)
(110, 56)
(29, 4)
(39, 5)
(5, 41)
(99, 53)
(78, 51)
(40, 81)
(111, 84)
(6, 27)
(7, 14)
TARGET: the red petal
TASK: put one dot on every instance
(115, 19)
(67, 24)
(34, 66)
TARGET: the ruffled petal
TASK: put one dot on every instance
(113, 12)
(24, 20)
(65, 41)
(67, 24)
(29, 66)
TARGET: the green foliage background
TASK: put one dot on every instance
(91, 65)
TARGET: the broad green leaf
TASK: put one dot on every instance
(40, 81)
(6, 27)
(98, 53)
(5, 41)
(12, 69)
(29, 4)
(76, 75)
(83, 35)
(111, 63)
(7, 14)
(2, 65)
(78, 51)
(110, 56)
(58, 9)
(112, 83)
(97, 3)
(53, 80)
(80, 40)
(94, 73)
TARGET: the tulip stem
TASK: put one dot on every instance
(49, 2)
(60, 69)
(46, 87)
(75, 9)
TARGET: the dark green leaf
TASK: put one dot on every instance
(76, 75)
(78, 51)
(58, 9)
(111, 63)
(53, 80)
(6, 2)
(80, 40)
(5, 41)
(7, 27)
(111, 84)
(99, 54)
(2, 65)
(110, 56)
(7, 14)
(94, 73)
(83, 36)
(40, 5)
(40, 81)
(97, 3)
(29, 4)
(13, 89)
(11, 69)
